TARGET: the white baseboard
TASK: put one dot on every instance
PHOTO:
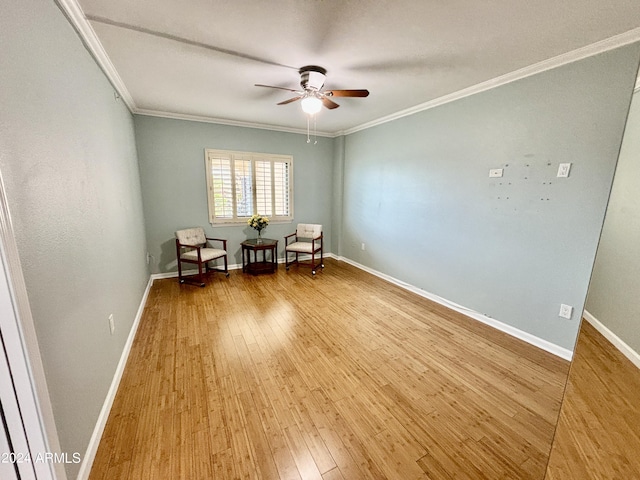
(94, 442)
(235, 266)
(492, 322)
(160, 276)
(625, 349)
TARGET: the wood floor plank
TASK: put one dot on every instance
(334, 474)
(280, 451)
(340, 375)
(265, 465)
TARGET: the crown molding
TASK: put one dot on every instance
(602, 46)
(76, 16)
(223, 121)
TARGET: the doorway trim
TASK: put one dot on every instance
(23, 355)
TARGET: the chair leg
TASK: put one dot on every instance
(226, 267)
(200, 275)
(180, 279)
(313, 262)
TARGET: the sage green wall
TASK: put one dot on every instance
(613, 293)
(338, 189)
(174, 188)
(68, 158)
(417, 193)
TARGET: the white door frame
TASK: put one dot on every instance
(23, 358)
(9, 443)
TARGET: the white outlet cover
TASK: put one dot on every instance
(565, 311)
(563, 170)
(495, 173)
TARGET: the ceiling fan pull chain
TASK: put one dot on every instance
(308, 138)
(315, 131)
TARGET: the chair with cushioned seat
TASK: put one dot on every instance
(192, 246)
(308, 240)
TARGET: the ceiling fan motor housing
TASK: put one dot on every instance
(312, 77)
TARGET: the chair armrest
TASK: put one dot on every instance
(287, 237)
(224, 241)
(187, 245)
(180, 245)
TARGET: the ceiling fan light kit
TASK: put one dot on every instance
(311, 105)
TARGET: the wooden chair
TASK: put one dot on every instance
(308, 239)
(192, 247)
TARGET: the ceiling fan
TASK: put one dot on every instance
(312, 96)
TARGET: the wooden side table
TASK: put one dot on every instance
(257, 266)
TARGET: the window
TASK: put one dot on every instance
(240, 184)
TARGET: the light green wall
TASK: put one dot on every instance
(338, 189)
(172, 170)
(68, 158)
(417, 193)
(613, 293)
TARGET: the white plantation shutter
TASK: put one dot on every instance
(244, 186)
(241, 184)
(221, 186)
(264, 205)
(281, 188)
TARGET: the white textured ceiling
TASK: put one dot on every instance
(202, 57)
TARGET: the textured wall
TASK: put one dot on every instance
(613, 296)
(68, 158)
(417, 192)
(174, 188)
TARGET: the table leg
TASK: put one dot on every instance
(244, 266)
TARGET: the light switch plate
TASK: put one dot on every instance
(563, 170)
(495, 173)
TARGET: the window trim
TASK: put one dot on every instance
(253, 157)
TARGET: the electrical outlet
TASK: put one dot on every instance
(112, 324)
(495, 173)
(362, 246)
(563, 170)
(565, 311)
(148, 258)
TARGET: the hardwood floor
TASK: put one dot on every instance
(337, 376)
(598, 435)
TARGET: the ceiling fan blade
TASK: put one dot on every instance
(290, 100)
(347, 93)
(279, 88)
(330, 104)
